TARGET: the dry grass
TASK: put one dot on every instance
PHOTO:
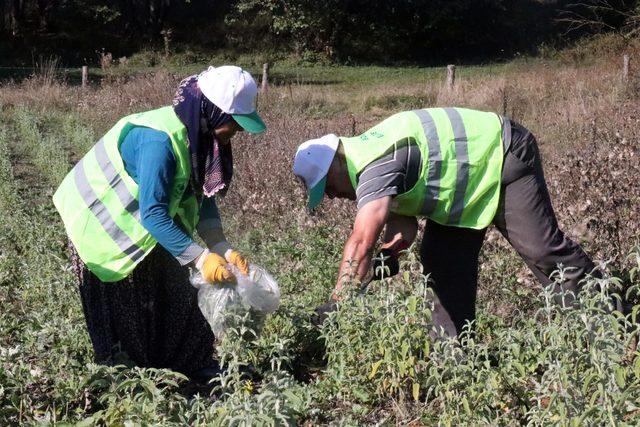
(585, 118)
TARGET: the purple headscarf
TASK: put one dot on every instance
(211, 162)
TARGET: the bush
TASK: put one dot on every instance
(576, 365)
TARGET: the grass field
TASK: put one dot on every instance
(374, 361)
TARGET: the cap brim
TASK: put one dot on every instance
(316, 193)
(252, 122)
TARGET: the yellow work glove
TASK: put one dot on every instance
(234, 257)
(214, 268)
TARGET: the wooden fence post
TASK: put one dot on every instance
(85, 76)
(166, 35)
(265, 76)
(451, 76)
(505, 101)
(625, 68)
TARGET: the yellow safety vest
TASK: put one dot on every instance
(98, 200)
(462, 155)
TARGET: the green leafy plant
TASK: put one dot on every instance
(377, 359)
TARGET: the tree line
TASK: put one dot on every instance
(382, 31)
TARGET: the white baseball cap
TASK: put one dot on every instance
(234, 91)
(312, 163)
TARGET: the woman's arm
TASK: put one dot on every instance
(149, 158)
(210, 227)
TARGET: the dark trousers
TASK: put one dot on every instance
(150, 318)
(525, 218)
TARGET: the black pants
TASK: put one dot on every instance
(525, 218)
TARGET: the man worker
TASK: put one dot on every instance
(461, 169)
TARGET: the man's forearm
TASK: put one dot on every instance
(356, 260)
(356, 257)
(396, 245)
(399, 233)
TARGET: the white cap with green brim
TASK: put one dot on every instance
(312, 163)
(234, 91)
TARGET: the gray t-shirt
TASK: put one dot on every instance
(395, 172)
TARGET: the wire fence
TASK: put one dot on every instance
(18, 73)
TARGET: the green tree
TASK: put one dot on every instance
(306, 24)
(384, 30)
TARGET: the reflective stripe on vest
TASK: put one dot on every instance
(462, 162)
(435, 161)
(101, 212)
(462, 157)
(127, 199)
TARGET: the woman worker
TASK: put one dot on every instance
(130, 207)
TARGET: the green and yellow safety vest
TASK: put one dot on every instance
(98, 200)
(462, 155)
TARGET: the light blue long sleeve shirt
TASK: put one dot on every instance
(149, 159)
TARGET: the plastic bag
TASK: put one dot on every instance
(258, 290)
